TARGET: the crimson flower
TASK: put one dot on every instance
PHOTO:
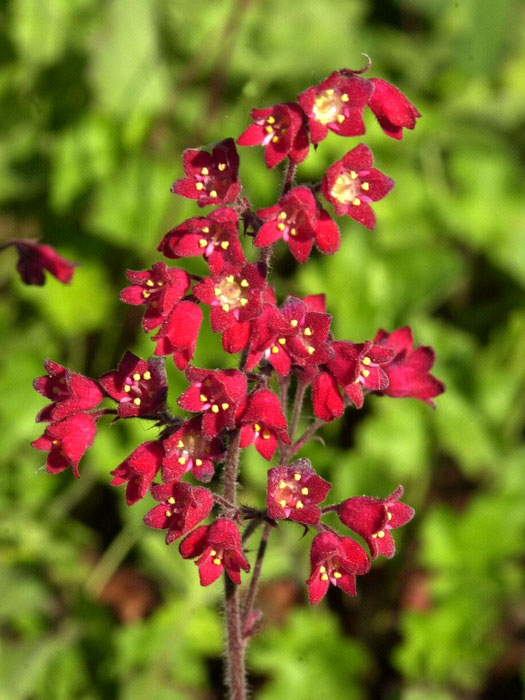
(215, 393)
(300, 221)
(215, 236)
(392, 109)
(188, 450)
(359, 366)
(159, 289)
(281, 130)
(352, 183)
(66, 442)
(310, 344)
(140, 387)
(235, 298)
(70, 393)
(179, 332)
(211, 178)
(34, 258)
(263, 422)
(294, 492)
(180, 508)
(139, 470)
(334, 560)
(219, 548)
(373, 518)
(408, 371)
(336, 104)
(268, 333)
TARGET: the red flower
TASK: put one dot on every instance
(326, 397)
(310, 344)
(212, 178)
(408, 371)
(66, 442)
(217, 394)
(268, 335)
(358, 366)
(392, 109)
(139, 470)
(179, 333)
(188, 450)
(181, 508)
(263, 423)
(219, 548)
(215, 236)
(334, 560)
(34, 258)
(159, 289)
(351, 183)
(280, 129)
(299, 220)
(235, 298)
(294, 491)
(140, 387)
(336, 104)
(373, 518)
(71, 393)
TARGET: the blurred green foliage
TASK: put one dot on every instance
(97, 101)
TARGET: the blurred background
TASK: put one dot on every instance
(98, 98)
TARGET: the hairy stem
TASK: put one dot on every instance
(254, 583)
(288, 451)
(235, 666)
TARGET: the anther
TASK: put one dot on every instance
(225, 245)
(266, 435)
(217, 561)
(217, 291)
(257, 429)
(206, 229)
(199, 186)
(324, 577)
(204, 171)
(146, 294)
(293, 232)
(311, 350)
(146, 375)
(215, 408)
(356, 202)
(150, 283)
(221, 166)
(297, 476)
(198, 462)
(275, 350)
(225, 307)
(281, 227)
(168, 513)
(127, 388)
(203, 243)
(353, 174)
(56, 442)
(171, 500)
(213, 194)
(230, 279)
(337, 574)
(344, 97)
(294, 323)
(389, 515)
(299, 505)
(365, 373)
(282, 484)
(180, 443)
(282, 215)
(275, 139)
(225, 406)
(282, 503)
(308, 331)
(282, 341)
(380, 534)
(243, 301)
(304, 491)
(366, 360)
(181, 460)
(268, 129)
(136, 377)
(340, 118)
(365, 186)
(271, 120)
(137, 401)
(203, 398)
(245, 283)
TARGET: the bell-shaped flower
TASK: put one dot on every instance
(181, 507)
(295, 491)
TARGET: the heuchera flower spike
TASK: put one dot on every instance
(373, 518)
(219, 549)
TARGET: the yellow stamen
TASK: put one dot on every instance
(217, 291)
(221, 166)
(206, 229)
(245, 283)
(213, 194)
(266, 435)
(147, 375)
(146, 294)
(225, 245)
(282, 503)
(311, 350)
(380, 534)
(199, 186)
(136, 376)
(243, 301)
(304, 491)
(337, 574)
(389, 515)
(181, 460)
(204, 171)
(353, 174)
(308, 331)
(275, 139)
(275, 350)
(297, 476)
(365, 373)
(203, 243)
(168, 513)
(215, 408)
(356, 202)
(212, 552)
(225, 307)
(198, 462)
(217, 561)
(230, 279)
(268, 129)
(271, 120)
(225, 406)
(324, 577)
(137, 401)
(171, 500)
(127, 388)
(322, 569)
(299, 505)
(366, 360)
(294, 323)
(344, 97)
(282, 341)
(365, 186)
(282, 484)
(340, 118)
(180, 443)
(293, 231)
(281, 227)
(282, 215)
(150, 283)
(203, 398)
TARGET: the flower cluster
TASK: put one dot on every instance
(283, 346)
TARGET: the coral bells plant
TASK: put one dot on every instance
(287, 355)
